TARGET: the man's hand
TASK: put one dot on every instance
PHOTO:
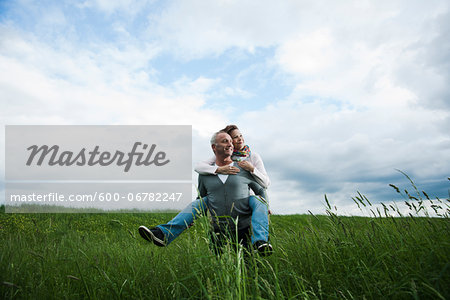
(227, 170)
(246, 165)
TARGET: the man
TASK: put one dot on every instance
(227, 201)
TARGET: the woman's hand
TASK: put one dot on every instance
(246, 165)
(227, 170)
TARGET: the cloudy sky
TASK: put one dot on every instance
(334, 95)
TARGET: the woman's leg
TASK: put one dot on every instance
(260, 218)
(184, 219)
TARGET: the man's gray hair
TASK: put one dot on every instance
(214, 137)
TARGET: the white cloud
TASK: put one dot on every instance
(348, 51)
(197, 86)
(312, 149)
(44, 85)
(197, 28)
(308, 55)
(112, 6)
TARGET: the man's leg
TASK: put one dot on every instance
(176, 226)
(244, 238)
(260, 224)
(217, 242)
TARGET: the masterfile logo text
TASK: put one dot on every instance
(91, 158)
(98, 152)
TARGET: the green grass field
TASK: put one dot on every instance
(98, 256)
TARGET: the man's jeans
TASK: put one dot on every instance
(260, 219)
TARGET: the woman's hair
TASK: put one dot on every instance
(229, 129)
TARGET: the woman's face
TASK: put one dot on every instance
(238, 139)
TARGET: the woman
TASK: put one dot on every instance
(164, 234)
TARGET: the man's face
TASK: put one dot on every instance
(224, 145)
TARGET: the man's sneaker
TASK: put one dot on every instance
(154, 235)
(264, 248)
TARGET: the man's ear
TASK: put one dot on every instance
(213, 146)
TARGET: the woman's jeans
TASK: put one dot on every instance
(260, 219)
